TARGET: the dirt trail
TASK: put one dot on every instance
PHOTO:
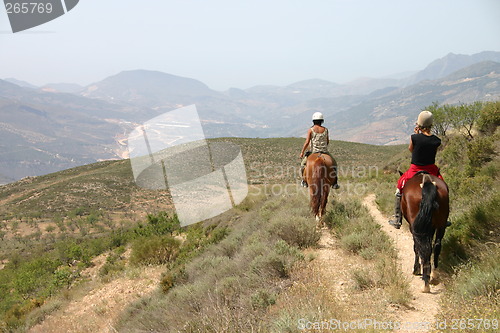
(97, 310)
(424, 307)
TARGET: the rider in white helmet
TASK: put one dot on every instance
(317, 141)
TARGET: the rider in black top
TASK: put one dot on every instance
(424, 149)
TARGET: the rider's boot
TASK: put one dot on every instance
(398, 216)
(335, 186)
(303, 183)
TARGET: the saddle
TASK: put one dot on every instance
(310, 153)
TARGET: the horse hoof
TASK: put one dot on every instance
(426, 289)
(434, 279)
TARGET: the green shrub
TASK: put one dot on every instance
(114, 263)
(278, 261)
(154, 250)
(473, 291)
(453, 152)
(31, 277)
(470, 229)
(262, 298)
(354, 242)
(63, 277)
(481, 279)
(159, 224)
(295, 230)
(480, 151)
(173, 277)
(363, 279)
(70, 251)
(230, 245)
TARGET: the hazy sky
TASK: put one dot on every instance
(234, 43)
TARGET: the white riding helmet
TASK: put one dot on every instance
(425, 119)
(318, 116)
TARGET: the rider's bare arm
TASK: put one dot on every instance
(306, 144)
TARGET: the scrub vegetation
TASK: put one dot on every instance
(255, 267)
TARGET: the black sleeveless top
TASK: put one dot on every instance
(424, 149)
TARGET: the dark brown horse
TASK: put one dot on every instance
(425, 205)
(320, 174)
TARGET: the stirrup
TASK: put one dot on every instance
(303, 183)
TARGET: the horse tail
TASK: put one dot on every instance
(318, 178)
(423, 230)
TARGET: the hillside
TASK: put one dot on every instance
(267, 161)
(96, 205)
(46, 130)
(385, 118)
(450, 63)
(87, 250)
(147, 88)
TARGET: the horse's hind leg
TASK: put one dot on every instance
(437, 251)
(437, 246)
(423, 246)
(426, 272)
(416, 265)
(426, 252)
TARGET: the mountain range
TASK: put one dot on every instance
(58, 126)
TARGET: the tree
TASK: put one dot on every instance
(465, 116)
(442, 121)
(489, 119)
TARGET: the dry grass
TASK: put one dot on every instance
(229, 287)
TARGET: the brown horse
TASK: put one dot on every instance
(320, 174)
(425, 205)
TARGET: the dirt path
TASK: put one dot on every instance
(424, 307)
(98, 309)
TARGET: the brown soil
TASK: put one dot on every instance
(424, 306)
(97, 310)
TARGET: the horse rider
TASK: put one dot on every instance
(423, 147)
(317, 141)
